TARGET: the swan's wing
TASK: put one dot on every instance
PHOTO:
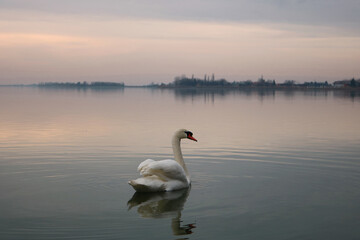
(165, 170)
(144, 165)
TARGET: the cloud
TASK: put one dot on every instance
(153, 48)
(343, 13)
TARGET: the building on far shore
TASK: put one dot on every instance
(347, 83)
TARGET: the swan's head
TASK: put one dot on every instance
(183, 133)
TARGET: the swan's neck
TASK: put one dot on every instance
(177, 153)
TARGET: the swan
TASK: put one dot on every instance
(165, 175)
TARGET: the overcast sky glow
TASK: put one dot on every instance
(142, 41)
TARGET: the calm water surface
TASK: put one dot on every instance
(268, 165)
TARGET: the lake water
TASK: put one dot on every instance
(267, 164)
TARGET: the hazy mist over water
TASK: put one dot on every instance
(268, 164)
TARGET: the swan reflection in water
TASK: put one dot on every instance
(163, 205)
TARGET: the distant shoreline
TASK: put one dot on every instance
(206, 88)
(259, 88)
(204, 84)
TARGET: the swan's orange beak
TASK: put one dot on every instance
(192, 138)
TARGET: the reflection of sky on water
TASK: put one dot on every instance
(146, 117)
(264, 160)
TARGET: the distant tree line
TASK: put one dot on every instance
(184, 81)
(81, 84)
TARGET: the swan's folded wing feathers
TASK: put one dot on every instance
(143, 165)
(165, 169)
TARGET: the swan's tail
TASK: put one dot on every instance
(150, 185)
(138, 187)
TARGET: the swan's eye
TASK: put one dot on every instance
(189, 135)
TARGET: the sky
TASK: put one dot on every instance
(141, 41)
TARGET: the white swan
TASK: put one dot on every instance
(165, 175)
